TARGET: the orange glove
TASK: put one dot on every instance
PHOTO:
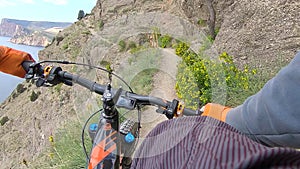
(11, 61)
(216, 111)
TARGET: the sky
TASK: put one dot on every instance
(45, 10)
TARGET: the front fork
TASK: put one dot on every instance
(125, 138)
(106, 144)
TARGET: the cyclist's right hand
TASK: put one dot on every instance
(215, 111)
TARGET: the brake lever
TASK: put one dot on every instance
(33, 69)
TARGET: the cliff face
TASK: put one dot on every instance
(265, 32)
(33, 33)
(7, 28)
(249, 30)
(26, 37)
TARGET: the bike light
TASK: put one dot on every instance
(93, 127)
(93, 130)
(129, 138)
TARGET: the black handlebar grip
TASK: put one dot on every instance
(26, 65)
(190, 112)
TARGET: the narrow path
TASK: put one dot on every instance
(164, 87)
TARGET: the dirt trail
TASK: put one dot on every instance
(164, 87)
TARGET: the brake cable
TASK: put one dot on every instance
(91, 66)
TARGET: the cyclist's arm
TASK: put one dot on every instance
(272, 116)
(11, 60)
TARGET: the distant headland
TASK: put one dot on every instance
(32, 33)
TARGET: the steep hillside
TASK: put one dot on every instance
(249, 30)
(266, 32)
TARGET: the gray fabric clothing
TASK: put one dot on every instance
(272, 116)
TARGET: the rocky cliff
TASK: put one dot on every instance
(33, 33)
(249, 30)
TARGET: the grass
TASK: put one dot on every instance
(65, 149)
(140, 69)
(142, 83)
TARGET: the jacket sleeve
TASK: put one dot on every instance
(272, 116)
(11, 61)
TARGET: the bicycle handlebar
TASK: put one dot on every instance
(55, 75)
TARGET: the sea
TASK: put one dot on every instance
(8, 82)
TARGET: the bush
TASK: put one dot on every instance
(164, 41)
(201, 22)
(34, 96)
(122, 45)
(202, 80)
(3, 120)
(131, 45)
(20, 89)
(65, 46)
(100, 24)
(80, 14)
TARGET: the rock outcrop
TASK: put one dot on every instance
(265, 32)
(7, 28)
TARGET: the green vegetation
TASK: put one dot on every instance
(34, 96)
(86, 32)
(100, 24)
(3, 120)
(165, 41)
(80, 14)
(131, 45)
(65, 46)
(201, 22)
(122, 45)
(57, 87)
(142, 66)
(66, 149)
(142, 83)
(202, 80)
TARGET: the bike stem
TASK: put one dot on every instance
(110, 117)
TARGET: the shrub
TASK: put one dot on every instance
(164, 41)
(86, 32)
(3, 120)
(122, 45)
(65, 46)
(132, 45)
(34, 96)
(100, 24)
(200, 79)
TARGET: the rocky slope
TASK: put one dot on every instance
(266, 31)
(250, 30)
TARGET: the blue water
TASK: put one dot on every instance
(7, 82)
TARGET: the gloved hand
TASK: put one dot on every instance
(216, 111)
(11, 61)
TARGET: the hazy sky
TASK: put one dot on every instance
(45, 10)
